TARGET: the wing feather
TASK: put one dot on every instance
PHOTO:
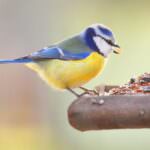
(57, 53)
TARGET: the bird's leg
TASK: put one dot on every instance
(87, 91)
(73, 92)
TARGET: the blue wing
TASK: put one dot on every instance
(71, 49)
(48, 53)
(57, 53)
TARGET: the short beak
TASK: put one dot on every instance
(116, 49)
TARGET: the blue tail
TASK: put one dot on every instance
(18, 60)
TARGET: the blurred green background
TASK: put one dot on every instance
(34, 116)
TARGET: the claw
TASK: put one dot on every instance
(90, 92)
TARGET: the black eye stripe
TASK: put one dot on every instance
(109, 41)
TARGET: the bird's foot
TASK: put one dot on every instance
(98, 91)
(86, 92)
(89, 92)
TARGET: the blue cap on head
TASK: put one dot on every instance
(105, 31)
(99, 38)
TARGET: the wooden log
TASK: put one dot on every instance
(110, 112)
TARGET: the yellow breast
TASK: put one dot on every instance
(73, 73)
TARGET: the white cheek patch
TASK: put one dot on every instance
(102, 45)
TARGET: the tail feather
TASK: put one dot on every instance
(18, 60)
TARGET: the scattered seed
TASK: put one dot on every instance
(139, 85)
(142, 112)
(99, 102)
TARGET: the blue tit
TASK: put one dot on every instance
(72, 62)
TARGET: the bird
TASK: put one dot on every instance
(72, 62)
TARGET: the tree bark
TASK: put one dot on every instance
(110, 112)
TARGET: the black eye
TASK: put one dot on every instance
(109, 42)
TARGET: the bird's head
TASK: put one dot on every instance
(101, 39)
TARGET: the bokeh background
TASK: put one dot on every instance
(32, 115)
